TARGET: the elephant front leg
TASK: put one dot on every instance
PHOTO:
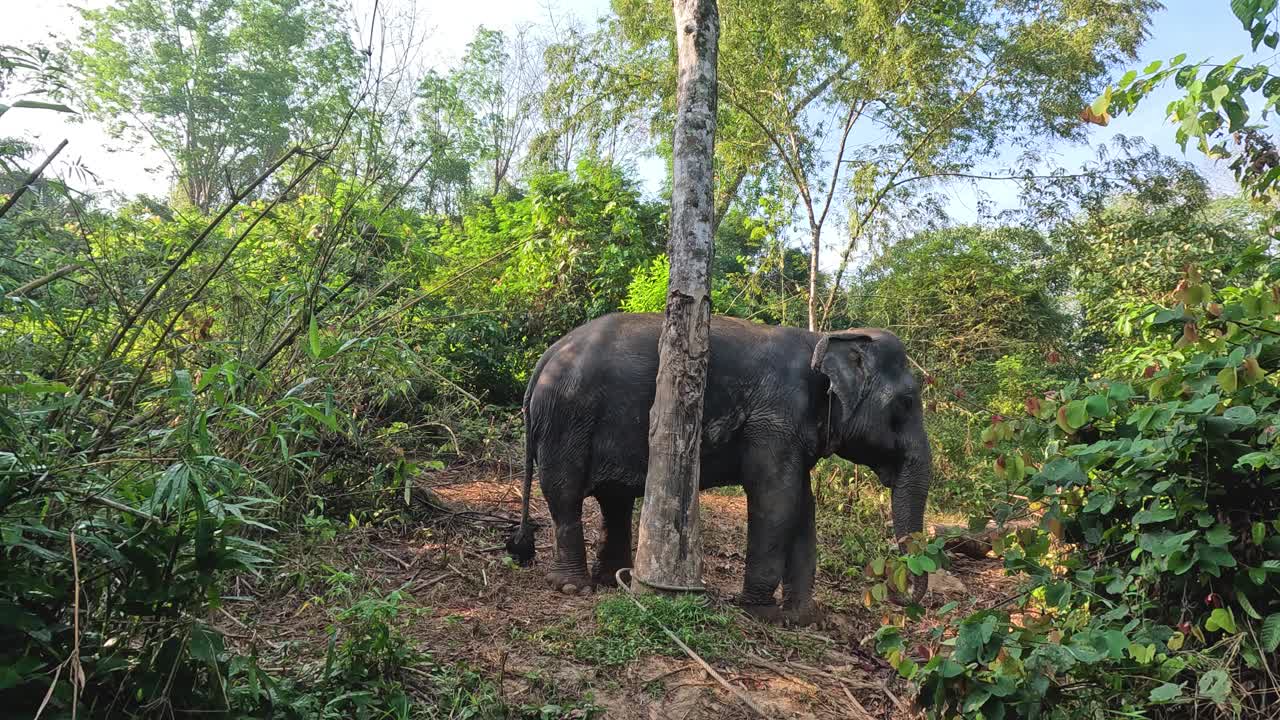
(798, 606)
(771, 501)
(615, 551)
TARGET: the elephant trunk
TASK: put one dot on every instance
(910, 491)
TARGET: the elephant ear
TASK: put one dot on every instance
(843, 358)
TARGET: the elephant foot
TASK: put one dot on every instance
(605, 574)
(569, 583)
(802, 615)
(764, 612)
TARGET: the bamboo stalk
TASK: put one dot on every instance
(31, 179)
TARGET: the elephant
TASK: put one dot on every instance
(777, 399)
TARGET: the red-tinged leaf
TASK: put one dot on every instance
(1151, 370)
(1033, 406)
(1093, 118)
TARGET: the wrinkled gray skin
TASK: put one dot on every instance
(777, 399)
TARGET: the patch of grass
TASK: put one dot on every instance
(624, 632)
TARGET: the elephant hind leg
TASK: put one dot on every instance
(562, 485)
(615, 552)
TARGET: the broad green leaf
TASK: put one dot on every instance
(1219, 535)
(1154, 515)
(1120, 391)
(1241, 414)
(1097, 406)
(1153, 67)
(1271, 633)
(1221, 619)
(1227, 380)
(1166, 692)
(1215, 685)
(1077, 414)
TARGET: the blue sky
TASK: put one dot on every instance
(1202, 28)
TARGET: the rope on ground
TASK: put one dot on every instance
(734, 690)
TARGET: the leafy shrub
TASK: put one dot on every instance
(1155, 579)
(647, 292)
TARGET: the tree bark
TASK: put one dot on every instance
(669, 556)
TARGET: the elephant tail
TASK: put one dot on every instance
(521, 543)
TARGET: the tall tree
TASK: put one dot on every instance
(478, 118)
(847, 102)
(669, 554)
(589, 109)
(221, 87)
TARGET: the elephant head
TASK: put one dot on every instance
(876, 419)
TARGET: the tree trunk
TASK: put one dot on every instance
(816, 247)
(669, 556)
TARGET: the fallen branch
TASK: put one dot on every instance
(733, 689)
(402, 563)
(860, 711)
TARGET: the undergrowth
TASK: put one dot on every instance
(622, 632)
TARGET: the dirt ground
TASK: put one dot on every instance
(473, 606)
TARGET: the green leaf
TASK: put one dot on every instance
(1241, 414)
(36, 105)
(1142, 654)
(1097, 406)
(1271, 633)
(1217, 94)
(313, 337)
(1246, 605)
(1259, 532)
(1154, 515)
(1153, 67)
(1177, 59)
(1219, 535)
(1221, 619)
(1227, 380)
(1128, 78)
(1100, 105)
(34, 388)
(1077, 414)
(1120, 391)
(1166, 692)
(1215, 684)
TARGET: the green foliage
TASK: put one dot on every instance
(548, 260)
(980, 311)
(647, 292)
(220, 86)
(1162, 481)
